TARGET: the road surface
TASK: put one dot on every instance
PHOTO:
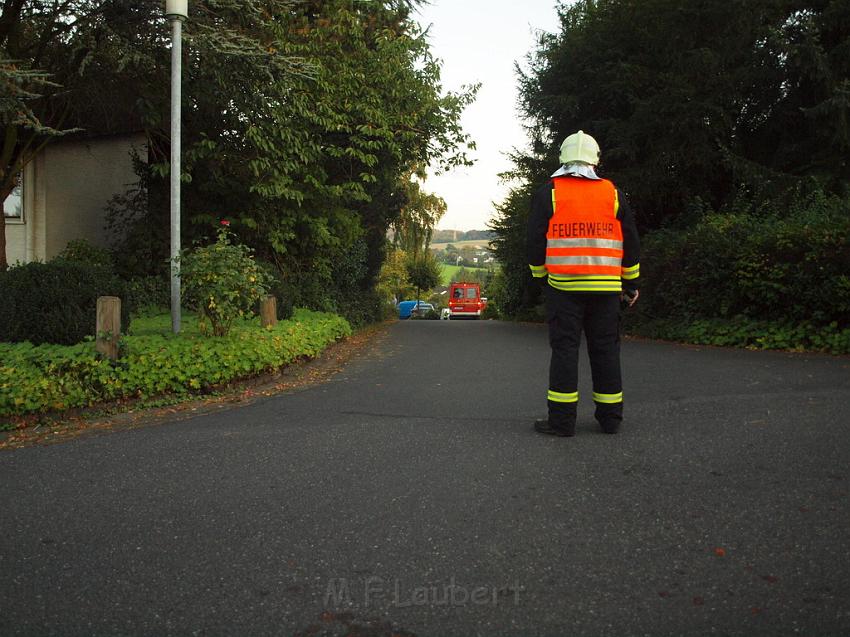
(409, 496)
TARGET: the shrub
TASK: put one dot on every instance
(786, 269)
(491, 311)
(81, 251)
(55, 302)
(360, 307)
(773, 278)
(143, 294)
(352, 292)
(35, 379)
(741, 331)
(148, 294)
(222, 281)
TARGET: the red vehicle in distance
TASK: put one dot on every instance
(465, 301)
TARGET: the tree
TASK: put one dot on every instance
(24, 135)
(696, 99)
(509, 224)
(286, 131)
(343, 145)
(393, 282)
(418, 219)
(695, 104)
(311, 164)
(98, 66)
(424, 272)
(30, 114)
(811, 44)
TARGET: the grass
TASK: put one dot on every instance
(160, 323)
(450, 272)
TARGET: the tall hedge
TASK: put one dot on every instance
(776, 268)
(55, 302)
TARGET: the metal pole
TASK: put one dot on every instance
(176, 70)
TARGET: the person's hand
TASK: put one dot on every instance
(630, 299)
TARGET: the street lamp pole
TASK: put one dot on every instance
(176, 11)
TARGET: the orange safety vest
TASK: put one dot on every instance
(585, 237)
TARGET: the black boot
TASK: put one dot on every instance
(609, 416)
(543, 427)
(610, 426)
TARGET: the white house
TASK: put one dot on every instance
(64, 192)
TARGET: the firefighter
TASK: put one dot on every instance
(583, 247)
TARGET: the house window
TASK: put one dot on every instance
(13, 207)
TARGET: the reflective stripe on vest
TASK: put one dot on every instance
(584, 235)
(580, 260)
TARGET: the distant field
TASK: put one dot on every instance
(460, 244)
(450, 271)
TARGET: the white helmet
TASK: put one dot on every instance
(580, 147)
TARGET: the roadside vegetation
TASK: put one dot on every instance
(296, 165)
(36, 379)
(731, 142)
(48, 357)
(312, 124)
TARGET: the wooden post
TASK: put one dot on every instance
(268, 311)
(108, 330)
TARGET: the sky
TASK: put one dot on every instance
(479, 41)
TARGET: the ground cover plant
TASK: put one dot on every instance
(37, 379)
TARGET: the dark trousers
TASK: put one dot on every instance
(598, 315)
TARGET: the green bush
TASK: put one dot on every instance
(741, 331)
(795, 268)
(221, 281)
(360, 307)
(81, 251)
(491, 311)
(779, 276)
(35, 379)
(143, 294)
(148, 294)
(353, 293)
(55, 302)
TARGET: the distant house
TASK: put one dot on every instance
(64, 192)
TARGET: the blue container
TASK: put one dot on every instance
(405, 308)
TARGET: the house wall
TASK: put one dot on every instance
(21, 235)
(66, 189)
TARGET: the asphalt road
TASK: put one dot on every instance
(410, 496)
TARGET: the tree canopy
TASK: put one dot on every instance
(696, 106)
(693, 99)
(422, 211)
(302, 121)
